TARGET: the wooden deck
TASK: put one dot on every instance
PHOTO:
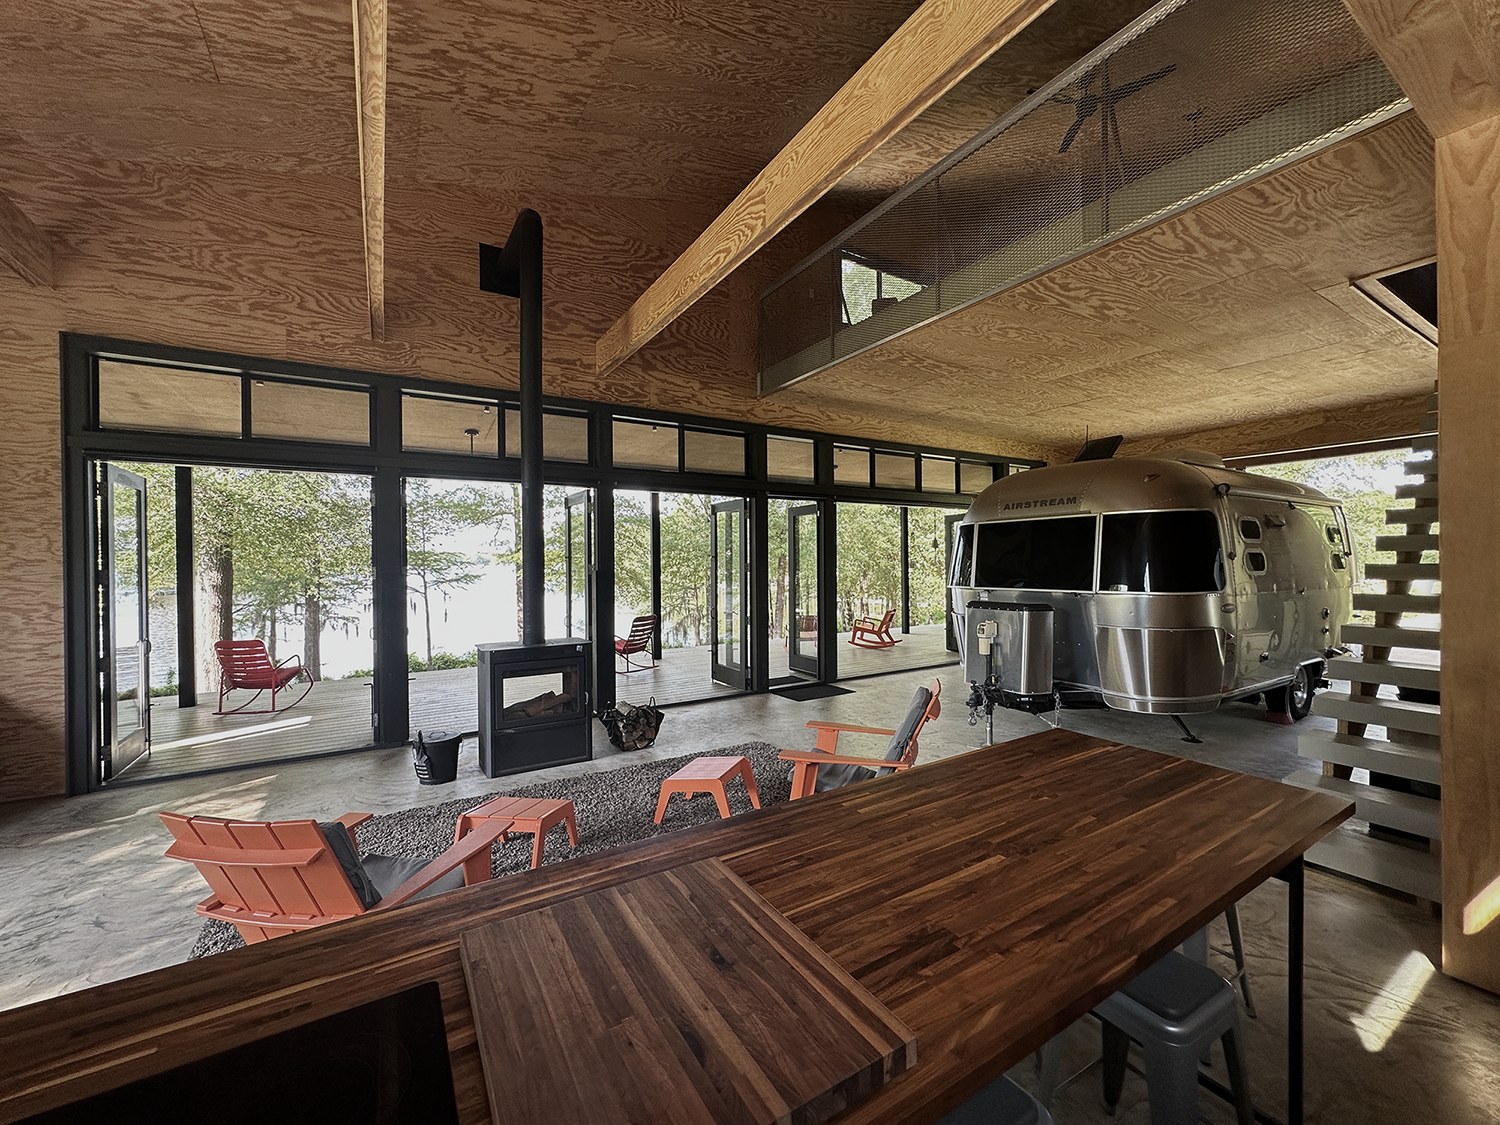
(336, 713)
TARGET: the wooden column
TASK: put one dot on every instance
(1446, 55)
(1468, 196)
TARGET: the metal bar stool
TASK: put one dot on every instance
(1196, 947)
(1174, 1010)
(1002, 1102)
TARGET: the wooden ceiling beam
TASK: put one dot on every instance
(369, 92)
(931, 52)
(1441, 52)
(23, 248)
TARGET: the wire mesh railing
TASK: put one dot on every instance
(1194, 98)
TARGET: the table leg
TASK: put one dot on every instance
(572, 824)
(661, 803)
(538, 844)
(721, 798)
(1293, 874)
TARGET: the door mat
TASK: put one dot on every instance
(803, 692)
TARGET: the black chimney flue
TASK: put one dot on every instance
(515, 270)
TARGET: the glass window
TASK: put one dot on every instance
(1249, 530)
(450, 425)
(1161, 553)
(135, 396)
(565, 437)
(867, 290)
(939, 474)
(646, 445)
(896, 470)
(1050, 554)
(974, 478)
(309, 413)
(1256, 561)
(851, 465)
(963, 556)
(706, 452)
(789, 459)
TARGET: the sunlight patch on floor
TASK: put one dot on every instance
(1390, 1005)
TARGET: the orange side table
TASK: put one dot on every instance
(530, 814)
(708, 775)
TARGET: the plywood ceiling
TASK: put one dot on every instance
(1237, 310)
(214, 140)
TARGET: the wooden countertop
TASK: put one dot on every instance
(988, 900)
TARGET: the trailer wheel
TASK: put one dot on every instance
(1295, 698)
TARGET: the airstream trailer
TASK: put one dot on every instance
(1163, 585)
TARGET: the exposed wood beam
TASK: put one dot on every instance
(369, 91)
(930, 53)
(1442, 52)
(23, 248)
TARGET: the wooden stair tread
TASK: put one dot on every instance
(1422, 515)
(1399, 603)
(1398, 714)
(1418, 490)
(1415, 542)
(1392, 636)
(1396, 758)
(1403, 572)
(1405, 812)
(1353, 852)
(1398, 673)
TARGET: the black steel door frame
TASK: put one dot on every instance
(112, 754)
(795, 660)
(734, 674)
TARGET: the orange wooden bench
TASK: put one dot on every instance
(708, 775)
(526, 814)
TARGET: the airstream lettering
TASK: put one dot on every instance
(1174, 583)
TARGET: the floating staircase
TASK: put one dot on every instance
(1396, 806)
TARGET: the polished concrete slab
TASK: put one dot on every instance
(89, 898)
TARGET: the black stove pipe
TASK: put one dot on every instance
(515, 270)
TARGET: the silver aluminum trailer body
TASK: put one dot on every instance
(1175, 583)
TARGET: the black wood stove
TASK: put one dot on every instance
(534, 705)
(534, 698)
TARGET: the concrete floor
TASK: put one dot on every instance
(89, 898)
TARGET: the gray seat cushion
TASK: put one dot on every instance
(1002, 1102)
(1175, 987)
(341, 844)
(376, 876)
(388, 872)
(838, 775)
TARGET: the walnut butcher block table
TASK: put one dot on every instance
(986, 900)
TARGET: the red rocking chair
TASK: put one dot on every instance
(642, 633)
(872, 633)
(247, 665)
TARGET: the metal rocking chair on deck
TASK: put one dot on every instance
(247, 665)
(642, 633)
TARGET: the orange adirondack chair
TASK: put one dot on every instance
(825, 768)
(271, 878)
(246, 664)
(870, 632)
(642, 633)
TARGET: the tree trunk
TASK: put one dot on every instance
(215, 605)
(273, 628)
(312, 635)
(427, 618)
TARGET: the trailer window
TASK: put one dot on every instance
(1056, 554)
(1161, 553)
(963, 556)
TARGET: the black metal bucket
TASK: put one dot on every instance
(435, 756)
